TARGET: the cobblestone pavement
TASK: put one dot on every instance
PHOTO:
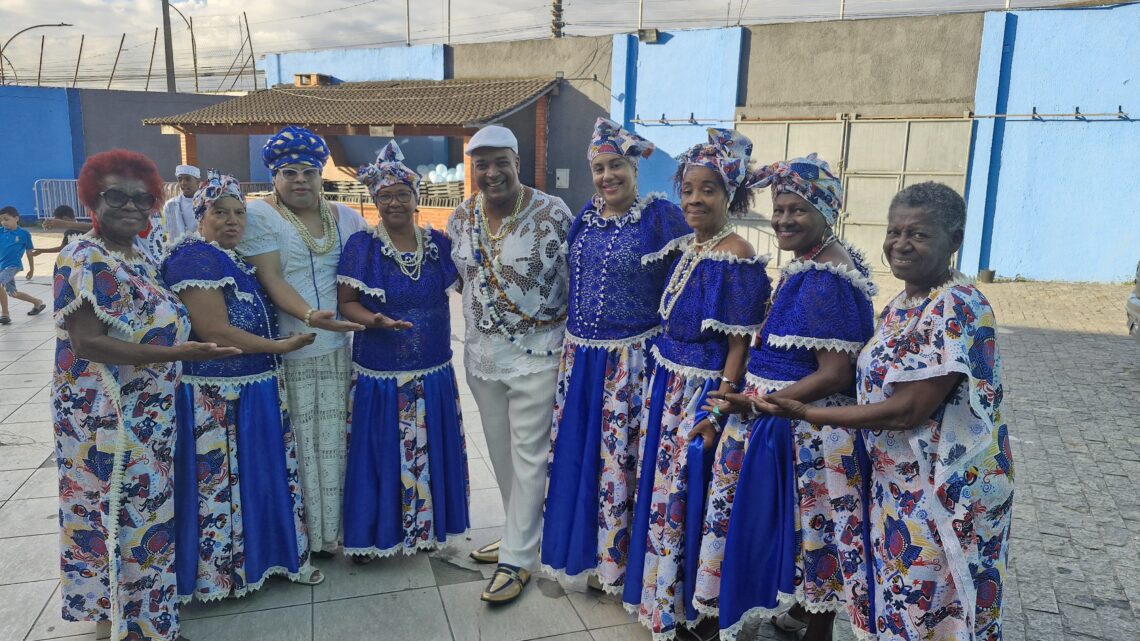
(1072, 386)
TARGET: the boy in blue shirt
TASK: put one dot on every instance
(15, 243)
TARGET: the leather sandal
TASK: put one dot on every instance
(310, 576)
(506, 585)
(487, 554)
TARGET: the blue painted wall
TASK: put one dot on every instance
(685, 73)
(423, 62)
(1049, 199)
(45, 128)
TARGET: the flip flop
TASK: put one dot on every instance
(37, 309)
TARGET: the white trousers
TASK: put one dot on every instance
(516, 414)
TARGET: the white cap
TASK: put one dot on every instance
(495, 136)
(187, 170)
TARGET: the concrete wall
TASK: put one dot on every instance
(42, 131)
(686, 73)
(1051, 199)
(113, 119)
(580, 101)
(913, 66)
(423, 62)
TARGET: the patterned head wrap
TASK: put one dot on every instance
(218, 186)
(727, 153)
(809, 178)
(294, 146)
(610, 138)
(388, 171)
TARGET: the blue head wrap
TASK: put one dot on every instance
(218, 185)
(294, 146)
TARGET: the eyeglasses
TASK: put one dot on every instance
(291, 174)
(144, 201)
(387, 199)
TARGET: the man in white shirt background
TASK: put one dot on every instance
(178, 212)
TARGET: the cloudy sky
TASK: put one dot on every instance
(285, 25)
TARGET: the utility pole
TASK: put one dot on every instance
(116, 65)
(75, 78)
(40, 68)
(252, 57)
(408, 19)
(170, 84)
(150, 66)
(556, 22)
(640, 13)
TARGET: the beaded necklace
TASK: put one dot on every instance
(489, 280)
(329, 241)
(507, 223)
(411, 264)
(694, 253)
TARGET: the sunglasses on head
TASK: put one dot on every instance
(144, 201)
(291, 174)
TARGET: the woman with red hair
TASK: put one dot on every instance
(121, 335)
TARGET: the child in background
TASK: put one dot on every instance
(14, 243)
(64, 214)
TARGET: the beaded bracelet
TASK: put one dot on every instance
(731, 383)
(309, 317)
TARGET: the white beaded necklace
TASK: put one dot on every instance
(694, 253)
(326, 222)
(411, 264)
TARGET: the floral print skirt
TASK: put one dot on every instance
(406, 485)
(594, 464)
(666, 533)
(239, 512)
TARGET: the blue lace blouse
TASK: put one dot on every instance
(197, 263)
(726, 295)
(618, 269)
(369, 266)
(816, 306)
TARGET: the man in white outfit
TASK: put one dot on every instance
(178, 212)
(509, 244)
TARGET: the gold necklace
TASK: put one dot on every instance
(692, 256)
(507, 223)
(326, 223)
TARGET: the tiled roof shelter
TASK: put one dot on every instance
(454, 108)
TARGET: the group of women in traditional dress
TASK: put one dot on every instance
(724, 449)
(721, 448)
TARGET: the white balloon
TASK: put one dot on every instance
(440, 168)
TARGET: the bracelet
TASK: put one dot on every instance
(731, 383)
(309, 317)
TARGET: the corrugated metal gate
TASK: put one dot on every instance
(875, 158)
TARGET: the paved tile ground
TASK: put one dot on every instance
(1072, 386)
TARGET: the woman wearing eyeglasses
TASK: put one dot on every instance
(121, 335)
(294, 238)
(406, 483)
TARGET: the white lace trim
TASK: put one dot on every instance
(683, 370)
(404, 375)
(215, 284)
(250, 588)
(957, 278)
(401, 548)
(612, 344)
(667, 635)
(791, 341)
(233, 255)
(562, 577)
(731, 330)
(236, 381)
(595, 219)
(115, 498)
(729, 257)
(677, 244)
(853, 276)
(783, 602)
(361, 287)
(89, 297)
(765, 385)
